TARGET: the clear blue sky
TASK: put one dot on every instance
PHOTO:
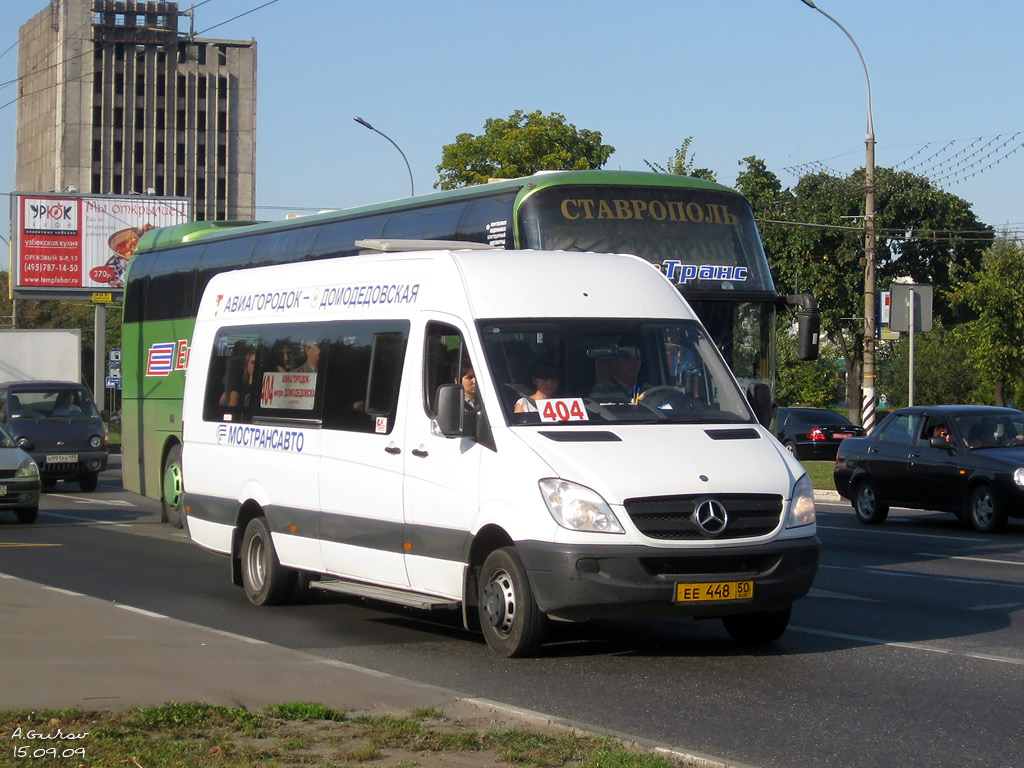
(771, 78)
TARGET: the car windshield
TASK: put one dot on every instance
(568, 370)
(988, 430)
(51, 403)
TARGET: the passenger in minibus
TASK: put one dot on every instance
(545, 383)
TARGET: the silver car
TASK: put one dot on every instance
(19, 480)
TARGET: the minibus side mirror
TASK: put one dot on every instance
(449, 411)
(453, 420)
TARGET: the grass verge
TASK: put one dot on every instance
(293, 735)
(821, 474)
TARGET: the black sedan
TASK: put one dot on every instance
(813, 433)
(964, 459)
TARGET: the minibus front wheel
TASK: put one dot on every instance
(509, 618)
(266, 581)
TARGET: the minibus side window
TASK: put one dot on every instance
(444, 359)
(363, 375)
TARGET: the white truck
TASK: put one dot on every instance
(49, 354)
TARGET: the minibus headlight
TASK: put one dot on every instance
(801, 504)
(578, 508)
(95, 442)
(1018, 477)
(28, 468)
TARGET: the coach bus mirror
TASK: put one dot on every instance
(808, 321)
(760, 398)
(449, 411)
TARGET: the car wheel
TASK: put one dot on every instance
(790, 446)
(984, 511)
(266, 581)
(88, 481)
(511, 622)
(27, 515)
(869, 508)
(172, 488)
(762, 628)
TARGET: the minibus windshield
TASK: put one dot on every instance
(571, 370)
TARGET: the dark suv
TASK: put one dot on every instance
(57, 423)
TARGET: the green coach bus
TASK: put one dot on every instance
(701, 235)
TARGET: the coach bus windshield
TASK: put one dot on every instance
(704, 240)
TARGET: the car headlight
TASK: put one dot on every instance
(1018, 477)
(28, 468)
(95, 442)
(578, 508)
(801, 504)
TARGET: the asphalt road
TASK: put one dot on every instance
(909, 650)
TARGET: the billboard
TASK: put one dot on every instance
(73, 246)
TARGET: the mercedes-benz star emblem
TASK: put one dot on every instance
(711, 516)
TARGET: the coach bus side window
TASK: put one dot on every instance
(363, 375)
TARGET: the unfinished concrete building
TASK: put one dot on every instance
(114, 98)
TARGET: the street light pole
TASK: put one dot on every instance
(412, 186)
(868, 374)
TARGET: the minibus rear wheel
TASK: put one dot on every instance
(509, 618)
(266, 581)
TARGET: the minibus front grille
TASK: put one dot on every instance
(672, 518)
(689, 567)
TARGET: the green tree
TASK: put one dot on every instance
(681, 164)
(520, 146)
(816, 245)
(805, 382)
(944, 371)
(995, 293)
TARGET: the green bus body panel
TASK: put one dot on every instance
(150, 405)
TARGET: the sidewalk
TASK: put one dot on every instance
(60, 649)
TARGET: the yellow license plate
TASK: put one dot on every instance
(703, 592)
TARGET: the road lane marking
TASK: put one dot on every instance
(877, 530)
(110, 502)
(815, 592)
(971, 559)
(911, 646)
(28, 544)
(905, 575)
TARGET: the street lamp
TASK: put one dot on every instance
(412, 186)
(868, 379)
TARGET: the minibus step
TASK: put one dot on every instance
(387, 594)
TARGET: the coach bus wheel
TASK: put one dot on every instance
(511, 622)
(172, 487)
(266, 581)
(762, 628)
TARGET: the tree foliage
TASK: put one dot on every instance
(814, 238)
(995, 294)
(518, 146)
(682, 164)
(944, 372)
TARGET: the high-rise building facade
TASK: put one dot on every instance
(113, 99)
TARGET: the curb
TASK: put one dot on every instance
(830, 496)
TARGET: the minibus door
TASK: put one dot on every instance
(442, 474)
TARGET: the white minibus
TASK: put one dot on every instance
(522, 436)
